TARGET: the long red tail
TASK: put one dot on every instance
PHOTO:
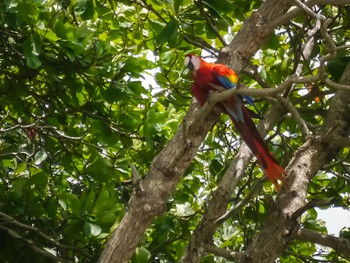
(255, 142)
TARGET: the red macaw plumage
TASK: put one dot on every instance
(206, 76)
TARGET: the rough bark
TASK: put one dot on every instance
(217, 205)
(316, 151)
(341, 245)
(253, 34)
(249, 39)
(149, 198)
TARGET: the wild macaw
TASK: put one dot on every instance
(208, 75)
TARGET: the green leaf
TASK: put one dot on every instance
(113, 93)
(38, 179)
(103, 201)
(345, 233)
(87, 201)
(168, 32)
(92, 230)
(106, 217)
(51, 207)
(17, 187)
(71, 202)
(273, 43)
(177, 4)
(217, 5)
(85, 8)
(136, 87)
(141, 255)
(31, 50)
(40, 156)
(101, 170)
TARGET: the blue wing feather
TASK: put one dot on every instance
(228, 84)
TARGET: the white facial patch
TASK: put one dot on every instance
(187, 61)
(196, 62)
(192, 62)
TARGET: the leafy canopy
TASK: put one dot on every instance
(89, 87)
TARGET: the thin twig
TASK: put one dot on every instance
(21, 126)
(313, 203)
(341, 245)
(37, 231)
(222, 252)
(296, 115)
(199, 4)
(269, 92)
(32, 245)
(308, 11)
(253, 192)
(337, 85)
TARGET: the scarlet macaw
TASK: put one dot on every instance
(206, 76)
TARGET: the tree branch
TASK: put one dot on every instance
(252, 193)
(8, 219)
(341, 245)
(225, 253)
(337, 85)
(285, 18)
(312, 204)
(33, 246)
(297, 117)
(162, 178)
(199, 4)
(311, 157)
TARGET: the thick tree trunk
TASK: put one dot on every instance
(168, 167)
(316, 152)
(253, 34)
(217, 205)
(149, 198)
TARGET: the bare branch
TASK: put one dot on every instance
(199, 4)
(341, 245)
(312, 204)
(308, 11)
(11, 220)
(337, 85)
(253, 192)
(328, 39)
(33, 246)
(268, 92)
(21, 126)
(285, 18)
(225, 253)
(297, 117)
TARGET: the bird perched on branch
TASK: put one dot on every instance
(209, 77)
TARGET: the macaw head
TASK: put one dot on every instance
(192, 62)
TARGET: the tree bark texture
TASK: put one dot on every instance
(316, 152)
(217, 204)
(248, 40)
(149, 198)
(339, 244)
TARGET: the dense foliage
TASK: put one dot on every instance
(91, 88)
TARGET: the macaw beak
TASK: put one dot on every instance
(190, 65)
